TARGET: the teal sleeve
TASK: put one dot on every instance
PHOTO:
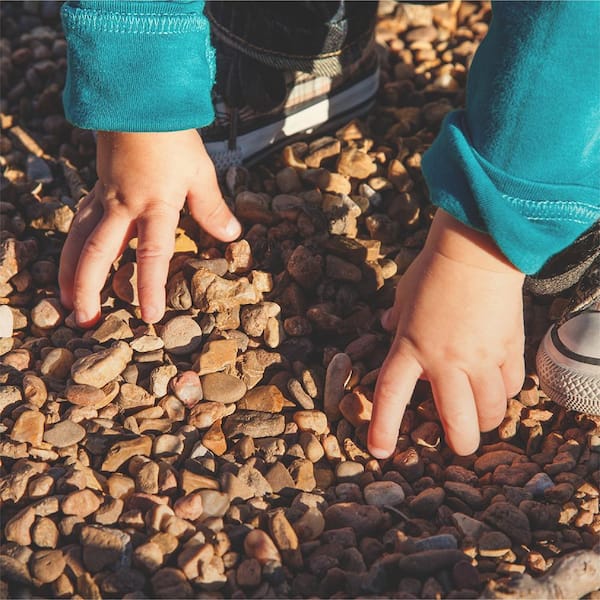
(522, 162)
(138, 65)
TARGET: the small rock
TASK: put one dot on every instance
(187, 387)
(214, 439)
(442, 541)
(260, 546)
(428, 562)
(215, 504)
(338, 374)
(47, 565)
(181, 335)
(364, 519)
(356, 408)
(310, 525)
(494, 544)
(189, 507)
(47, 313)
(311, 420)
(220, 387)
(103, 547)
(29, 427)
(265, 398)
(101, 367)
(160, 378)
(6, 321)
(426, 503)
(17, 529)
(81, 503)
(125, 284)
(44, 533)
(86, 395)
(305, 267)
(355, 163)
(216, 355)
(57, 363)
(204, 414)
(383, 493)
(254, 424)
(509, 520)
(248, 573)
(65, 433)
(171, 583)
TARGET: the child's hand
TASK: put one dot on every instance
(143, 181)
(458, 318)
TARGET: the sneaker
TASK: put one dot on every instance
(568, 359)
(269, 99)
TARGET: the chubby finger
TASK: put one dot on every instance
(156, 238)
(207, 206)
(456, 406)
(85, 221)
(101, 248)
(513, 373)
(395, 384)
(490, 398)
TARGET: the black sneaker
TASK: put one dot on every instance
(568, 359)
(266, 98)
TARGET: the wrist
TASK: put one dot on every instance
(458, 242)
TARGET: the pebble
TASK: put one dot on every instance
(204, 414)
(220, 387)
(104, 547)
(442, 541)
(101, 367)
(44, 533)
(509, 520)
(428, 562)
(160, 378)
(383, 493)
(338, 374)
(125, 284)
(254, 424)
(189, 507)
(427, 502)
(47, 313)
(216, 355)
(356, 408)
(6, 321)
(187, 387)
(170, 583)
(86, 396)
(29, 427)
(310, 525)
(258, 545)
(65, 433)
(57, 363)
(181, 335)
(265, 398)
(214, 503)
(364, 519)
(81, 503)
(311, 420)
(47, 565)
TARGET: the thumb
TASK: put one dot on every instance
(207, 206)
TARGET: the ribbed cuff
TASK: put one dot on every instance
(138, 66)
(529, 221)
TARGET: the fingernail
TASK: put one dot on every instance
(151, 314)
(379, 452)
(82, 317)
(233, 228)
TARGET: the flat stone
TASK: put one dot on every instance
(181, 335)
(254, 424)
(279, 478)
(121, 451)
(220, 387)
(146, 343)
(189, 507)
(383, 493)
(443, 541)
(205, 413)
(65, 433)
(47, 313)
(265, 398)
(6, 321)
(509, 520)
(215, 503)
(311, 420)
(171, 583)
(216, 355)
(356, 408)
(364, 519)
(260, 546)
(133, 396)
(101, 367)
(422, 564)
(47, 565)
(29, 427)
(104, 547)
(86, 396)
(426, 503)
(57, 363)
(305, 267)
(81, 503)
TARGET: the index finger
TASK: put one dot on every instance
(395, 385)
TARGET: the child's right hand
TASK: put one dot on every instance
(144, 180)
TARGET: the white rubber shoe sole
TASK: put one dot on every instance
(330, 112)
(568, 362)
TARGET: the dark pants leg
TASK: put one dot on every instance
(256, 42)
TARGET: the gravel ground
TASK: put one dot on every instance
(221, 453)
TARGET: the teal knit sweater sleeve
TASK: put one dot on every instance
(138, 65)
(522, 162)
